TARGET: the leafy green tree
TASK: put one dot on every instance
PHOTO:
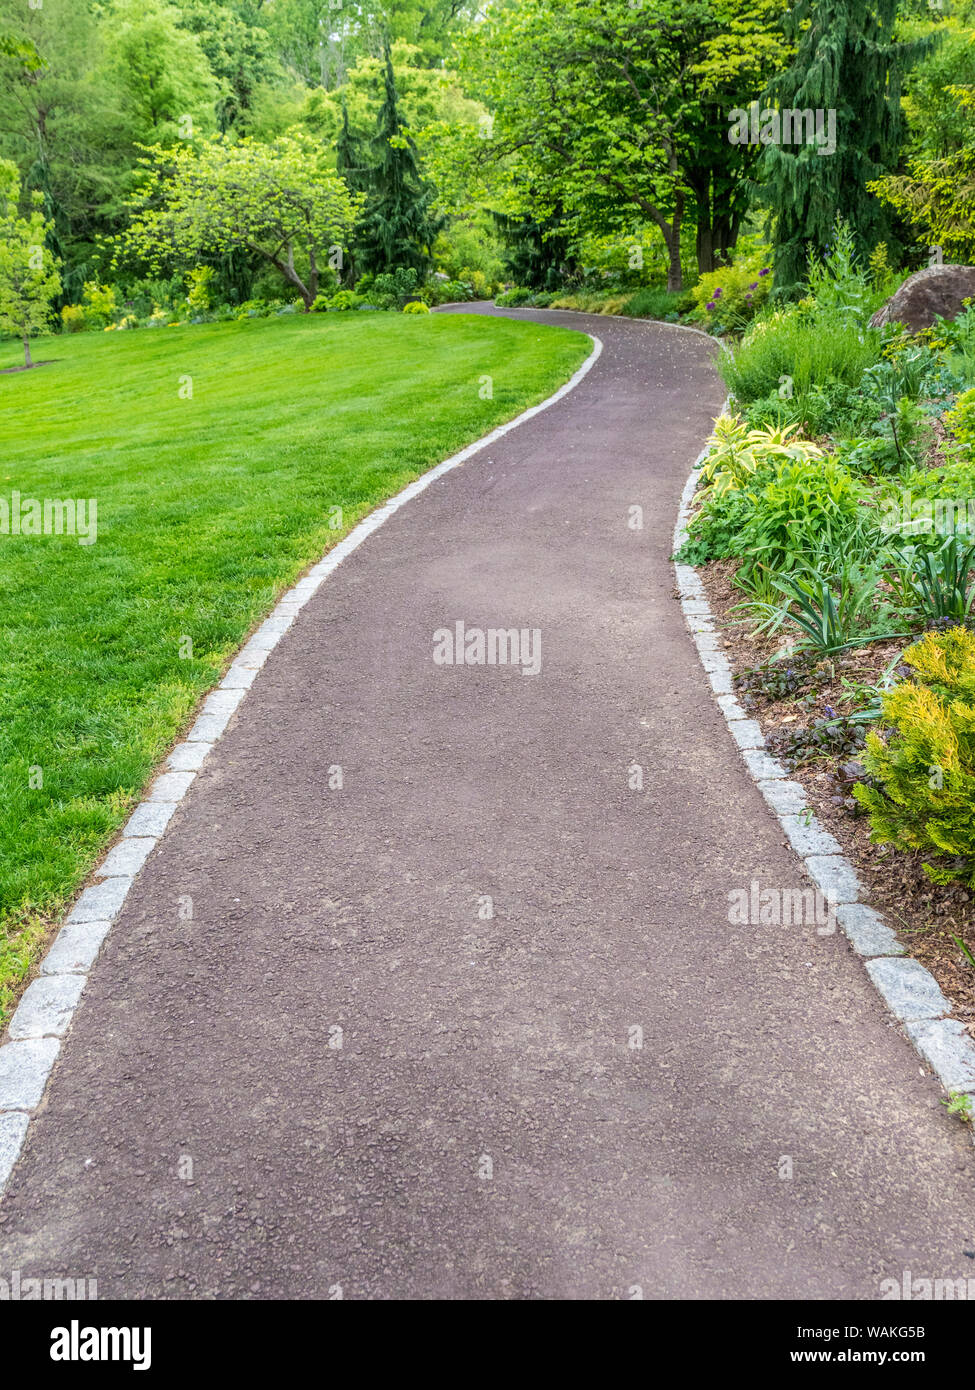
(400, 225)
(849, 62)
(29, 277)
(241, 58)
(55, 113)
(320, 40)
(937, 124)
(614, 112)
(279, 202)
(937, 196)
(424, 95)
(352, 165)
(742, 46)
(22, 51)
(163, 88)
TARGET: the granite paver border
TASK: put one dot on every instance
(909, 991)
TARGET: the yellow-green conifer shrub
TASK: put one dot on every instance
(924, 758)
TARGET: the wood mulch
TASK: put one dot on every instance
(929, 919)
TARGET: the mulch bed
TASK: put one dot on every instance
(47, 362)
(926, 916)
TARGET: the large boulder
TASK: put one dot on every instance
(940, 289)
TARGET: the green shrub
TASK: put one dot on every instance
(417, 306)
(736, 454)
(870, 456)
(787, 352)
(831, 408)
(936, 583)
(931, 502)
(447, 292)
(198, 294)
(788, 508)
(913, 370)
(392, 288)
(658, 303)
(482, 287)
(74, 318)
(713, 532)
(728, 298)
(923, 762)
(960, 420)
(800, 506)
(254, 309)
(99, 304)
(468, 243)
(957, 337)
(340, 302)
(515, 299)
(839, 289)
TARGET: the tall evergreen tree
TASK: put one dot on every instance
(352, 164)
(536, 255)
(399, 226)
(848, 62)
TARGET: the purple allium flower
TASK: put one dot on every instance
(717, 293)
(711, 304)
(763, 272)
(753, 285)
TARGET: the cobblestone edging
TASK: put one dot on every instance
(909, 990)
(43, 1017)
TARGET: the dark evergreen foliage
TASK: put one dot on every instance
(847, 61)
(399, 225)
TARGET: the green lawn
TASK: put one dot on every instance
(207, 509)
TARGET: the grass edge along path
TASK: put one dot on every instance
(217, 454)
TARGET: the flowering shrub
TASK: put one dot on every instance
(730, 297)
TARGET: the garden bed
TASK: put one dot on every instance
(834, 531)
(929, 918)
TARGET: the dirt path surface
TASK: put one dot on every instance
(488, 1127)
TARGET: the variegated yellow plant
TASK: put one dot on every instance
(737, 453)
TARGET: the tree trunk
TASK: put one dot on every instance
(705, 248)
(717, 220)
(287, 269)
(675, 280)
(312, 279)
(28, 361)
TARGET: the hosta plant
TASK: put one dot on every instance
(738, 453)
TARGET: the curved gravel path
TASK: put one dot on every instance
(490, 915)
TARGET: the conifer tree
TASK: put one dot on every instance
(399, 226)
(536, 256)
(846, 61)
(352, 165)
